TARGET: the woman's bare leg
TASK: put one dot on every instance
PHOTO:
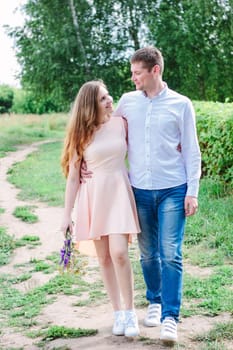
(119, 253)
(108, 271)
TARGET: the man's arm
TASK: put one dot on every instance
(192, 158)
(190, 205)
(190, 150)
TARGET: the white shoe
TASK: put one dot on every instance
(153, 315)
(119, 323)
(131, 324)
(169, 330)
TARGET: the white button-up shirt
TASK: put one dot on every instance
(156, 126)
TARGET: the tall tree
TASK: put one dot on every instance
(66, 42)
(78, 35)
(196, 38)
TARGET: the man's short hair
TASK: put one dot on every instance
(149, 56)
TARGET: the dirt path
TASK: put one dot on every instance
(62, 312)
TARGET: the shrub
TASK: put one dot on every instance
(26, 103)
(6, 98)
(215, 133)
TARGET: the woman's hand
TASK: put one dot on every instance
(67, 224)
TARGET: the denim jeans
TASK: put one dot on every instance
(162, 220)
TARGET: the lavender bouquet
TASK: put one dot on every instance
(70, 260)
(66, 251)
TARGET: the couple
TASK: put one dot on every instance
(158, 129)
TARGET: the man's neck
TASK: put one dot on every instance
(155, 90)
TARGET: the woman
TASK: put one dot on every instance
(104, 206)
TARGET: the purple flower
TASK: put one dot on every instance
(66, 251)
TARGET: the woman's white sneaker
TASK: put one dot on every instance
(119, 323)
(169, 330)
(131, 324)
(153, 315)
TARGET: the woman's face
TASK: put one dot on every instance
(104, 102)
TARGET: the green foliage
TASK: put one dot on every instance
(28, 240)
(197, 46)
(6, 98)
(40, 265)
(215, 131)
(25, 214)
(22, 278)
(64, 44)
(26, 102)
(55, 332)
(7, 246)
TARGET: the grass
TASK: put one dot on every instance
(55, 332)
(208, 236)
(210, 295)
(24, 129)
(208, 243)
(28, 240)
(219, 332)
(21, 308)
(42, 170)
(25, 214)
(215, 338)
(7, 246)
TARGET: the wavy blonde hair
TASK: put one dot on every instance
(83, 122)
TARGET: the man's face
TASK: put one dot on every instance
(142, 77)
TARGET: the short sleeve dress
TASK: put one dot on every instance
(105, 202)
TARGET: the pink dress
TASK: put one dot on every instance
(105, 203)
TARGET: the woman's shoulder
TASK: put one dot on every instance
(117, 119)
(121, 122)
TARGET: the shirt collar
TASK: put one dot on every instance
(161, 93)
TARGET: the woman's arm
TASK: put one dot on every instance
(72, 186)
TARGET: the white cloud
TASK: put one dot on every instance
(10, 15)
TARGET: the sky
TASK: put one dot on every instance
(8, 63)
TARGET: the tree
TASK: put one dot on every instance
(6, 98)
(197, 39)
(64, 43)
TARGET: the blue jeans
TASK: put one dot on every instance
(162, 220)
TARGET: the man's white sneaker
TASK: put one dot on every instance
(119, 323)
(131, 324)
(153, 315)
(169, 330)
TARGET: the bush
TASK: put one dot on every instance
(6, 98)
(215, 133)
(26, 103)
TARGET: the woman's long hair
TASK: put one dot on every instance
(83, 123)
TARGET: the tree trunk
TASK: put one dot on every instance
(79, 39)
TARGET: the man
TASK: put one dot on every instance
(165, 180)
